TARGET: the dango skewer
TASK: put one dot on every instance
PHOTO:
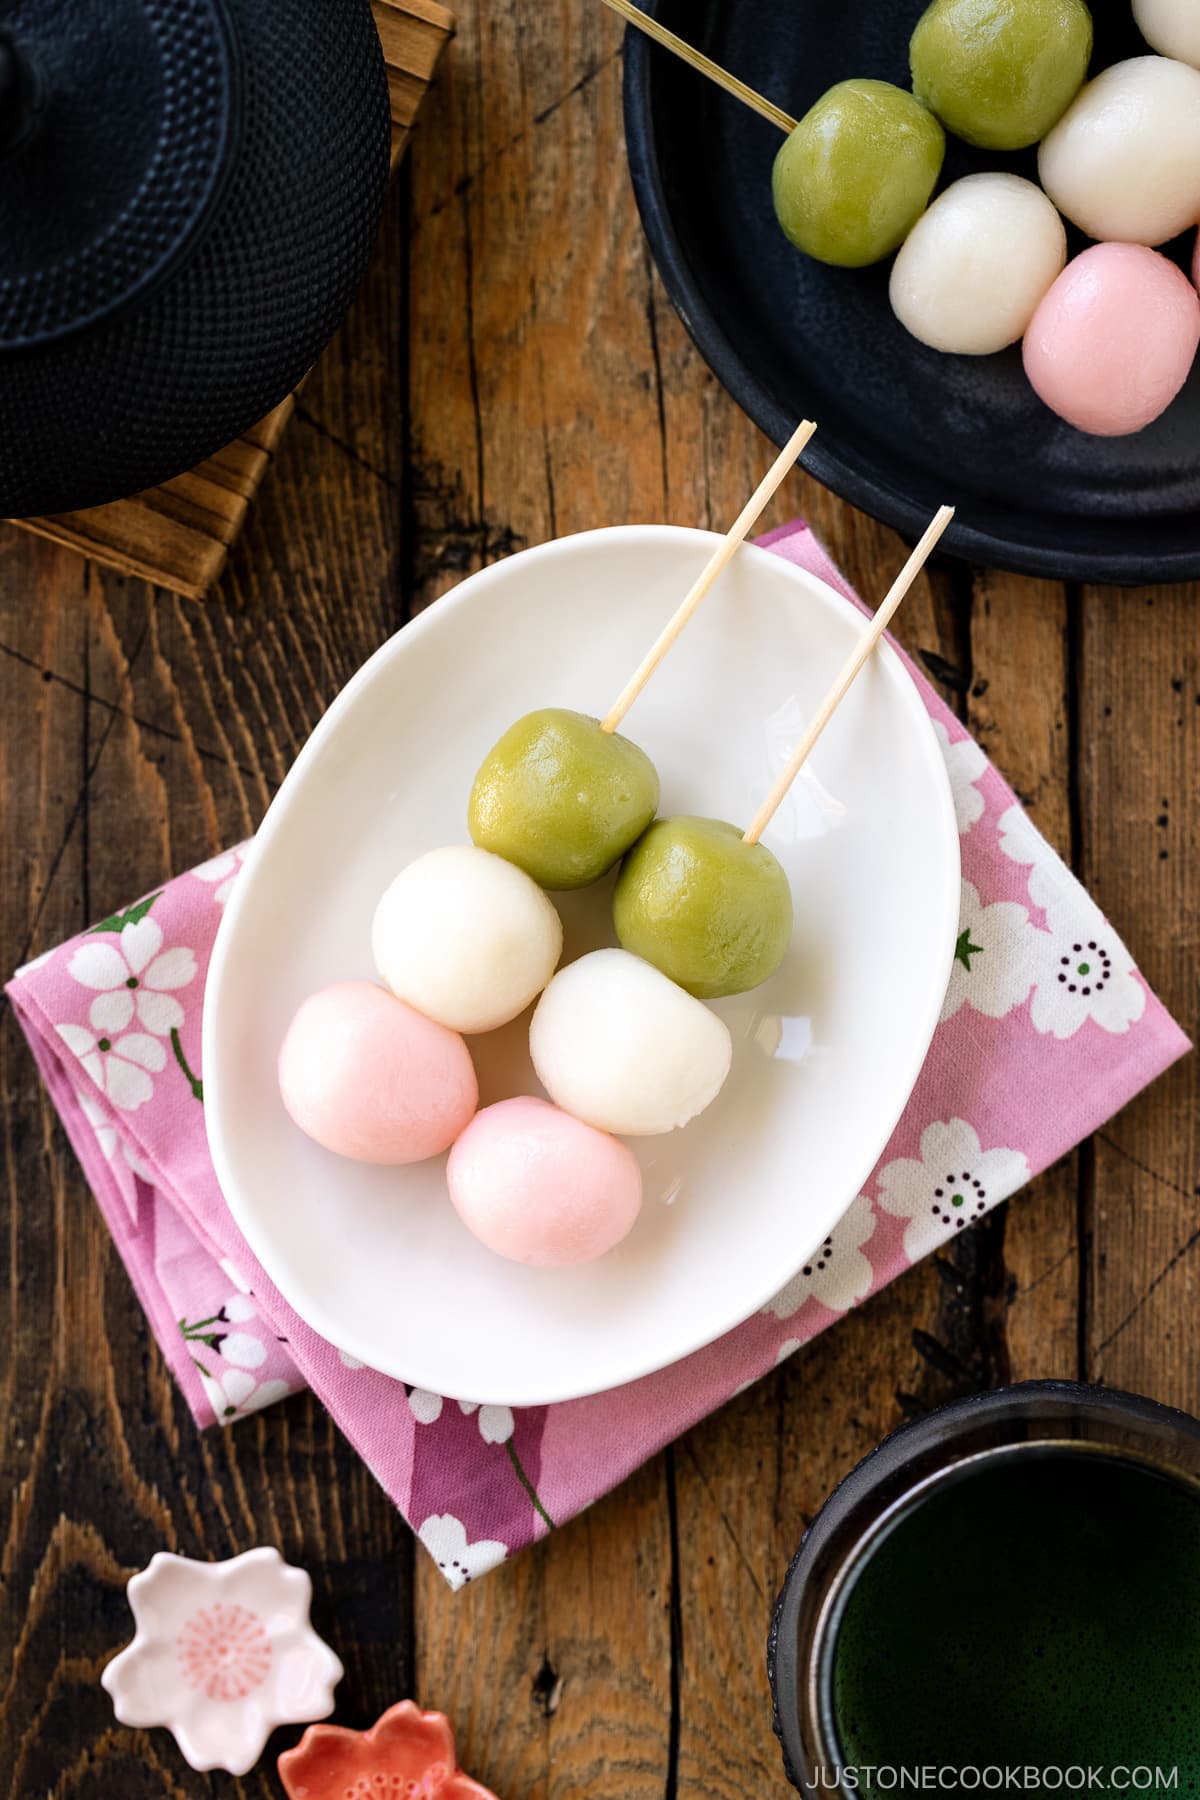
(710, 906)
(621, 1039)
(849, 673)
(633, 15)
(852, 176)
(563, 795)
(465, 938)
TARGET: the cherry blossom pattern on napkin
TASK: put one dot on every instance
(1047, 1030)
(1051, 947)
(220, 872)
(503, 1444)
(989, 970)
(459, 1558)
(838, 1274)
(134, 984)
(965, 763)
(229, 1356)
(949, 1184)
(1079, 967)
(133, 970)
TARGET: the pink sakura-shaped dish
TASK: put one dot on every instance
(406, 1755)
(223, 1653)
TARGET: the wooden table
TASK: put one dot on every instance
(512, 371)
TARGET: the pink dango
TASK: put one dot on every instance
(366, 1076)
(1112, 342)
(538, 1186)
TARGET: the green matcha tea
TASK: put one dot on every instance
(1041, 1611)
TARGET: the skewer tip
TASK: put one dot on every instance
(775, 475)
(858, 657)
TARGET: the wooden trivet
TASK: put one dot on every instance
(177, 535)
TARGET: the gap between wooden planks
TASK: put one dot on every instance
(178, 534)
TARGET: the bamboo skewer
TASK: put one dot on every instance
(722, 555)
(852, 667)
(635, 16)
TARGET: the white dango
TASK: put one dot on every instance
(1123, 162)
(466, 938)
(623, 1048)
(971, 272)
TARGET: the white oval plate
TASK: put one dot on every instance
(826, 1052)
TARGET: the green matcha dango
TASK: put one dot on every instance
(855, 174)
(1000, 73)
(711, 911)
(562, 798)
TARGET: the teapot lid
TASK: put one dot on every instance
(117, 127)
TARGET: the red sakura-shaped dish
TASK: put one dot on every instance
(406, 1755)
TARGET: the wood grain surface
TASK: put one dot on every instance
(512, 371)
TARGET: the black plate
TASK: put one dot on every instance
(903, 428)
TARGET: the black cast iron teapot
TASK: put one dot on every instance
(189, 190)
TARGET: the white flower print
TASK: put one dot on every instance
(224, 1359)
(234, 1392)
(349, 1362)
(426, 1408)
(788, 1348)
(965, 763)
(837, 1273)
(222, 870)
(1081, 969)
(992, 967)
(133, 977)
(122, 1067)
(243, 1350)
(1023, 843)
(446, 1541)
(496, 1423)
(954, 1183)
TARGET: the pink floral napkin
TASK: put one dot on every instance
(1047, 1029)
